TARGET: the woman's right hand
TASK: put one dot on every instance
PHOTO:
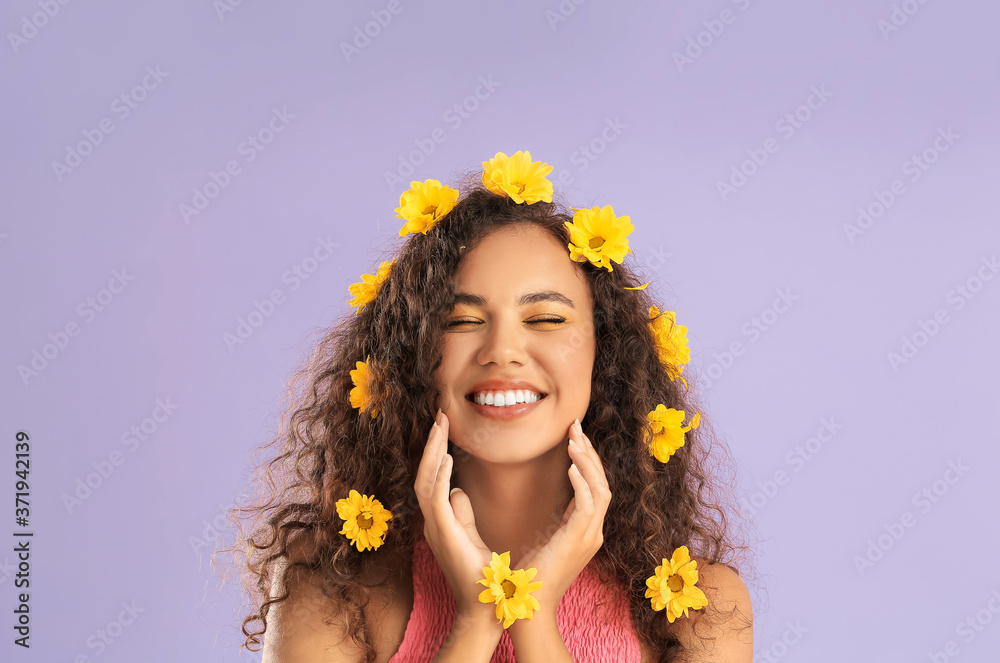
(450, 529)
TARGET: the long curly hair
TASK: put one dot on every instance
(326, 447)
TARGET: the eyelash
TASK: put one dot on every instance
(530, 322)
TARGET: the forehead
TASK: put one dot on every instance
(512, 261)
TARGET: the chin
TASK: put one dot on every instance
(502, 445)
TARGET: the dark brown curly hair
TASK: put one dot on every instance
(326, 447)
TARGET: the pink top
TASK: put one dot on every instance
(589, 634)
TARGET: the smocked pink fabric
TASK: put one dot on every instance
(590, 633)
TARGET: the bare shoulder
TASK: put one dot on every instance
(723, 630)
(309, 628)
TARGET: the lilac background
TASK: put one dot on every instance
(716, 260)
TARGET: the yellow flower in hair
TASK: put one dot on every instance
(509, 590)
(365, 291)
(519, 177)
(672, 586)
(671, 342)
(424, 204)
(361, 393)
(364, 520)
(599, 236)
(668, 433)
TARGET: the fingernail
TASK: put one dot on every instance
(453, 491)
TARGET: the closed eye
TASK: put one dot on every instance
(530, 322)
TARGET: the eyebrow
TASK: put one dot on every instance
(527, 298)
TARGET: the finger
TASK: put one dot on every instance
(442, 485)
(570, 508)
(588, 446)
(426, 469)
(584, 509)
(588, 463)
(462, 507)
(593, 471)
(430, 461)
(592, 451)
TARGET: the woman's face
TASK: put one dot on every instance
(523, 312)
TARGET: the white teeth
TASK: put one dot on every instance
(505, 398)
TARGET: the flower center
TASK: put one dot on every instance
(364, 520)
(508, 588)
(675, 583)
(520, 188)
(430, 209)
(596, 242)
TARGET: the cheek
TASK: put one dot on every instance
(573, 370)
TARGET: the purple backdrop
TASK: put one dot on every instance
(811, 186)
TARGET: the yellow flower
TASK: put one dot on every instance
(509, 589)
(668, 434)
(671, 342)
(365, 291)
(597, 235)
(519, 177)
(424, 204)
(364, 520)
(361, 394)
(673, 586)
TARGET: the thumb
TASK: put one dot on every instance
(463, 514)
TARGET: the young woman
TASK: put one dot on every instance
(490, 458)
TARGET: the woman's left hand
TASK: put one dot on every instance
(581, 532)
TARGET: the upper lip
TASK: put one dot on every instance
(504, 385)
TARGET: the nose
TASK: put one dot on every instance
(503, 343)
